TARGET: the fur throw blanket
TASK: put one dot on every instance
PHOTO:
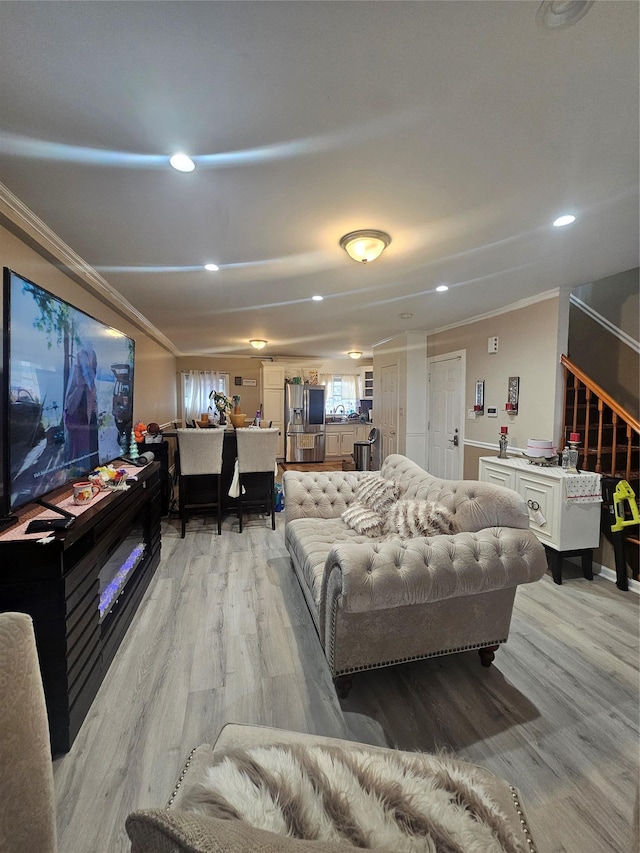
(411, 517)
(356, 796)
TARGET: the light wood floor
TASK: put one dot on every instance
(223, 635)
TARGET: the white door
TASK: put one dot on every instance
(389, 414)
(446, 415)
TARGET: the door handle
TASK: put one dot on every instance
(454, 440)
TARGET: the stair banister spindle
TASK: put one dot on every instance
(576, 395)
(586, 438)
(629, 441)
(599, 447)
(614, 443)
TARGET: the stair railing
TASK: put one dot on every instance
(611, 445)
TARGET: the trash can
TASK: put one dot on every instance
(362, 451)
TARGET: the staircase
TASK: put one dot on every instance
(610, 438)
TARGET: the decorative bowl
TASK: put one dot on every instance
(237, 420)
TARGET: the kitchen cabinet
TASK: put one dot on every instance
(272, 396)
(339, 439)
(564, 526)
(366, 383)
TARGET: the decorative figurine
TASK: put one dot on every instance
(133, 448)
(504, 441)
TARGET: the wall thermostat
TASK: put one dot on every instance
(492, 411)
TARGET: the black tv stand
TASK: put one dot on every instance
(6, 521)
(63, 587)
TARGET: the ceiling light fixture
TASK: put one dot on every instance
(317, 298)
(211, 267)
(554, 14)
(564, 220)
(257, 344)
(365, 246)
(182, 163)
(441, 288)
(355, 354)
(406, 315)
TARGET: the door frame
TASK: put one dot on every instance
(448, 356)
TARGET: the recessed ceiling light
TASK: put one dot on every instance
(317, 298)
(182, 163)
(405, 316)
(441, 288)
(212, 267)
(564, 220)
(555, 14)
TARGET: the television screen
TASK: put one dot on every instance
(68, 392)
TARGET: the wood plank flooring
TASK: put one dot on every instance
(223, 635)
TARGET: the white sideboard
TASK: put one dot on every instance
(561, 525)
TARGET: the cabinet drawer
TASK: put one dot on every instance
(498, 475)
(542, 495)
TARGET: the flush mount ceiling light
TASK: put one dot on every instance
(211, 267)
(317, 298)
(442, 287)
(554, 14)
(256, 344)
(182, 163)
(406, 315)
(564, 220)
(355, 354)
(365, 246)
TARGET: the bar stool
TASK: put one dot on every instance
(257, 449)
(200, 459)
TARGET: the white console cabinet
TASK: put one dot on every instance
(563, 526)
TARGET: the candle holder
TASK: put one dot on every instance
(570, 454)
(503, 440)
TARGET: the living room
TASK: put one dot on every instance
(223, 633)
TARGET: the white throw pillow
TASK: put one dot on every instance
(363, 520)
(411, 517)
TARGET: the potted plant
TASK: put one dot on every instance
(222, 403)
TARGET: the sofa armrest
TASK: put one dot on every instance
(318, 494)
(387, 574)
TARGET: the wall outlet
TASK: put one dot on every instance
(492, 345)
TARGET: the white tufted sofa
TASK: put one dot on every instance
(379, 602)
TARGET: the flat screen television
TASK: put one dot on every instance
(67, 392)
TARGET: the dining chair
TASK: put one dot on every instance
(199, 461)
(257, 449)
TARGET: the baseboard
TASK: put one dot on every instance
(610, 575)
(607, 574)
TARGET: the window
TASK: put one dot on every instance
(341, 393)
(196, 387)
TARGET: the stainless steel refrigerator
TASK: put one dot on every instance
(304, 422)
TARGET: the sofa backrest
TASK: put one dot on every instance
(475, 505)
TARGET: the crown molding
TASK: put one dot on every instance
(22, 222)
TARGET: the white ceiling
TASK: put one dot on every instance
(460, 128)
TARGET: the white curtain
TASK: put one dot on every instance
(349, 391)
(196, 387)
(350, 387)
